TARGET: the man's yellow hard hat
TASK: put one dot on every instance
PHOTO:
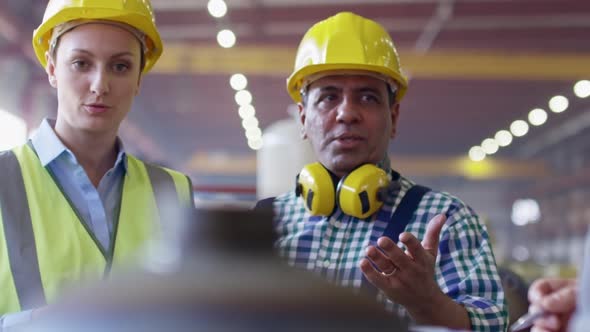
(346, 42)
(137, 14)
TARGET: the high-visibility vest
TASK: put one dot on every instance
(44, 244)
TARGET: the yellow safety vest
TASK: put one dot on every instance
(44, 245)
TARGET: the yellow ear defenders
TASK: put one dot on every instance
(359, 194)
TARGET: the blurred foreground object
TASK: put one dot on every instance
(515, 289)
(282, 156)
(229, 280)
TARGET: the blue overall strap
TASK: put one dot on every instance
(397, 224)
(404, 212)
(264, 204)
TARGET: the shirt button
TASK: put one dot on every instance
(327, 263)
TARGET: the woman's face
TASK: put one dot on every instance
(96, 71)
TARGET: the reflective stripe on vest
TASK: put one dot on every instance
(18, 234)
(163, 187)
(58, 248)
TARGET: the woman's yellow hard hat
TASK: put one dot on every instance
(137, 14)
(346, 42)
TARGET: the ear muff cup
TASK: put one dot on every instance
(316, 187)
(358, 194)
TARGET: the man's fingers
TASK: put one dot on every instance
(414, 247)
(542, 287)
(373, 276)
(549, 323)
(416, 250)
(431, 238)
(538, 290)
(380, 260)
(561, 301)
(397, 256)
(540, 329)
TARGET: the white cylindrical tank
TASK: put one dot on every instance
(282, 156)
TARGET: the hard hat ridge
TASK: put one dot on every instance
(346, 42)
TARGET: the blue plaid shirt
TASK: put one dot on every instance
(334, 246)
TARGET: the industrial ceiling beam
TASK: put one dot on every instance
(277, 61)
(558, 135)
(393, 24)
(166, 5)
(427, 166)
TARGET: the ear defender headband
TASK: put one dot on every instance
(359, 194)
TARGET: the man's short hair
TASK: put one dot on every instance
(391, 94)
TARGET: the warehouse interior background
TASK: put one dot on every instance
(476, 68)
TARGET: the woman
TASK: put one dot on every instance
(73, 203)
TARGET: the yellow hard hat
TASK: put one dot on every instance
(135, 13)
(348, 42)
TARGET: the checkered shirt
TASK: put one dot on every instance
(334, 246)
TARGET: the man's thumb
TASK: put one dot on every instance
(431, 238)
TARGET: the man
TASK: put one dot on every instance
(348, 85)
(73, 203)
(561, 299)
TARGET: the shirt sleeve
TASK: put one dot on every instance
(8, 321)
(467, 270)
(581, 320)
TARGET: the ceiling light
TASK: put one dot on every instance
(255, 144)
(525, 211)
(537, 117)
(251, 122)
(476, 153)
(503, 138)
(521, 253)
(252, 133)
(238, 82)
(519, 128)
(582, 89)
(226, 38)
(489, 146)
(243, 97)
(217, 8)
(246, 111)
(558, 104)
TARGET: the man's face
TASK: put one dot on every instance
(349, 121)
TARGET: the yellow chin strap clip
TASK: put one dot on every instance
(359, 194)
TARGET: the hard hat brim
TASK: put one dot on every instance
(42, 35)
(295, 81)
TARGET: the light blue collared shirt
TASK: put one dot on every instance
(96, 206)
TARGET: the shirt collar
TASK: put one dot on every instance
(49, 147)
(121, 155)
(46, 143)
(385, 164)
